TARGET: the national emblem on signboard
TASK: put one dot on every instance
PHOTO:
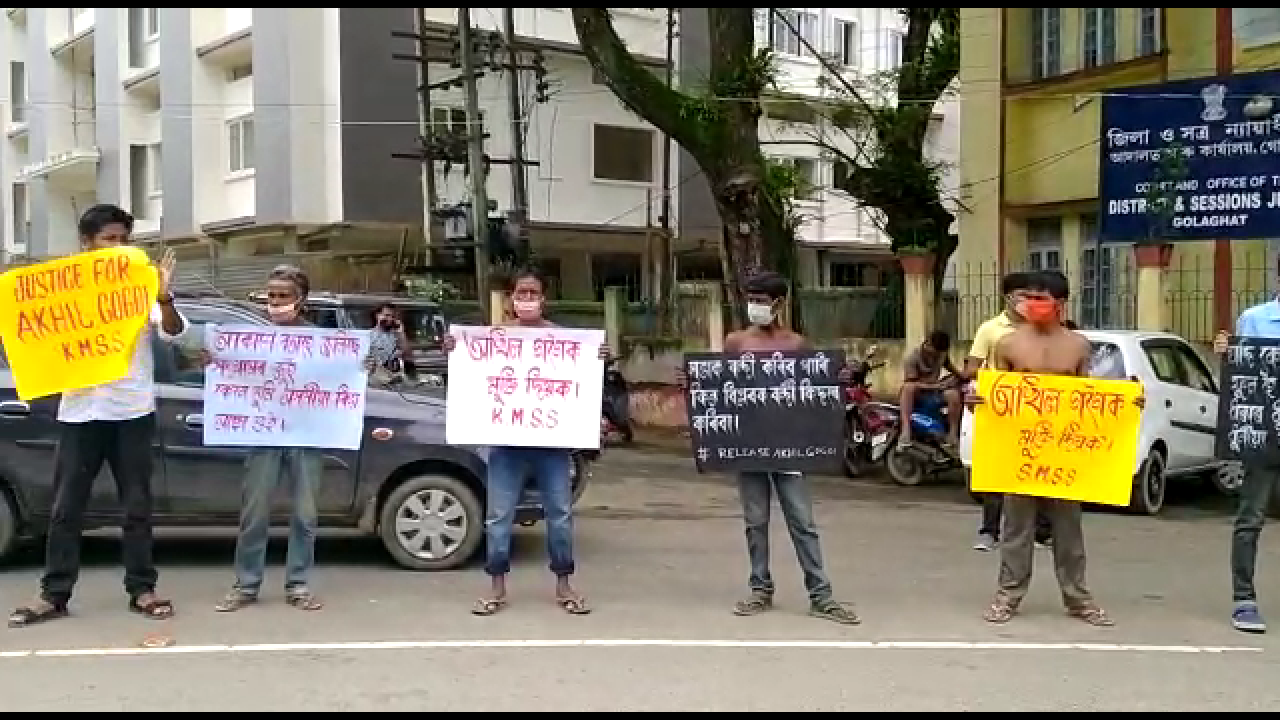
(1213, 96)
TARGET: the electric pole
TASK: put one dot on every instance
(427, 130)
(475, 162)
(666, 262)
(519, 186)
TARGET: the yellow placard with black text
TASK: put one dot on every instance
(1056, 436)
(73, 322)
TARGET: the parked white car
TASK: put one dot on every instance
(1179, 420)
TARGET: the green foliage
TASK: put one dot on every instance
(1162, 194)
(783, 185)
(433, 289)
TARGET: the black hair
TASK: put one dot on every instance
(97, 218)
(939, 340)
(382, 306)
(766, 282)
(525, 273)
(1013, 282)
(1070, 324)
(295, 275)
(1052, 282)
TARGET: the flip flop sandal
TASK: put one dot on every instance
(1093, 615)
(155, 609)
(27, 616)
(999, 613)
(574, 605)
(753, 605)
(303, 600)
(235, 600)
(488, 606)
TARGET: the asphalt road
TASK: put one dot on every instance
(662, 559)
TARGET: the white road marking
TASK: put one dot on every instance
(620, 643)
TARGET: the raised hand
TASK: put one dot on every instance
(164, 271)
(1220, 342)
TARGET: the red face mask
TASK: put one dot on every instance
(1039, 311)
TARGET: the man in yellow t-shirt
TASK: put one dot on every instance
(981, 354)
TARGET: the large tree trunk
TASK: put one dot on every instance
(717, 127)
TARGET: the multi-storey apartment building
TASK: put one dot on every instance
(268, 129)
(223, 122)
(842, 242)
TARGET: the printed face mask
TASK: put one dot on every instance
(527, 309)
(759, 313)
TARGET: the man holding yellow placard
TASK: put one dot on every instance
(89, 320)
(1076, 441)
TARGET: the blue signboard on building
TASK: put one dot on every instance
(1226, 184)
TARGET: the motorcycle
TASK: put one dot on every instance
(615, 403)
(927, 456)
(869, 425)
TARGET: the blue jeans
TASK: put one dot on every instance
(301, 467)
(756, 489)
(508, 468)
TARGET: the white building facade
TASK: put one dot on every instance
(597, 187)
(244, 122)
(203, 121)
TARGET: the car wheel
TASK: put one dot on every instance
(1228, 478)
(1149, 486)
(904, 467)
(432, 522)
(8, 525)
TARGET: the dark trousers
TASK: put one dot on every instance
(1251, 515)
(993, 509)
(1017, 549)
(125, 446)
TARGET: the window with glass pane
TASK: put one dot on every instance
(1148, 31)
(1046, 42)
(1099, 36)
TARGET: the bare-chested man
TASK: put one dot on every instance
(765, 292)
(1043, 345)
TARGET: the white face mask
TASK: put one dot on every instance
(527, 309)
(759, 314)
(282, 313)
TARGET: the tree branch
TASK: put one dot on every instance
(826, 64)
(630, 81)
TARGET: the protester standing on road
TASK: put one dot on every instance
(301, 467)
(1260, 473)
(508, 468)
(112, 423)
(765, 292)
(982, 355)
(1043, 345)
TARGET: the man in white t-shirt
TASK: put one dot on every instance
(112, 424)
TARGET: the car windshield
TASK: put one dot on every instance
(423, 325)
(1107, 362)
